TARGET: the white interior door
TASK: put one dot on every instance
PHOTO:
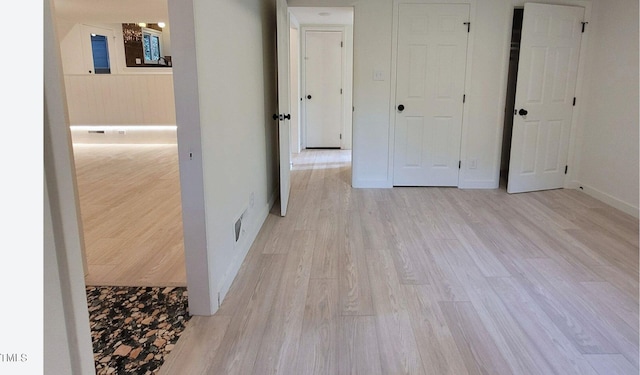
(284, 123)
(430, 76)
(323, 86)
(108, 40)
(547, 71)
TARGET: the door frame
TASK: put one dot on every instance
(575, 130)
(283, 61)
(394, 72)
(347, 82)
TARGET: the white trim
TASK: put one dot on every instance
(393, 81)
(157, 34)
(480, 184)
(611, 201)
(242, 247)
(372, 184)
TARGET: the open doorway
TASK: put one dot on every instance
(121, 109)
(514, 58)
(322, 98)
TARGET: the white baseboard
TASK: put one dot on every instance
(486, 184)
(611, 201)
(372, 184)
(124, 134)
(242, 250)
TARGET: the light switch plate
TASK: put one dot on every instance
(378, 75)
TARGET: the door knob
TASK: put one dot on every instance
(308, 96)
(523, 112)
(401, 108)
(275, 116)
(288, 116)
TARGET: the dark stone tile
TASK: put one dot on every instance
(133, 328)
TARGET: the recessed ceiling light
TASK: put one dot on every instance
(142, 24)
(324, 14)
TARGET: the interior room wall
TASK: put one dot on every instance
(606, 156)
(373, 25)
(129, 96)
(72, 52)
(609, 149)
(233, 94)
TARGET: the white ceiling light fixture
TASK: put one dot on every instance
(162, 24)
(142, 24)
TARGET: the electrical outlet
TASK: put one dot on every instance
(237, 228)
(473, 163)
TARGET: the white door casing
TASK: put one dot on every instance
(323, 88)
(430, 82)
(546, 84)
(284, 124)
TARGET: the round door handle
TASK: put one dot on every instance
(287, 116)
(308, 96)
(275, 116)
(401, 108)
(523, 112)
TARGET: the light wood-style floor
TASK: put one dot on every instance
(131, 214)
(425, 281)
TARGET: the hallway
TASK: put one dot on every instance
(425, 281)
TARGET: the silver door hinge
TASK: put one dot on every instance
(341, 44)
(340, 91)
(566, 169)
(340, 136)
(459, 164)
(468, 26)
(464, 98)
(583, 25)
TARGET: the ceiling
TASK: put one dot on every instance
(153, 11)
(112, 11)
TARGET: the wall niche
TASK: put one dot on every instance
(143, 46)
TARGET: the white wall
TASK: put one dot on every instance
(227, 96)
(486, 93)
(609, 148)
(127, 96)
(128, 99)
(373, 24)
(606, 156)
(76, 50)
